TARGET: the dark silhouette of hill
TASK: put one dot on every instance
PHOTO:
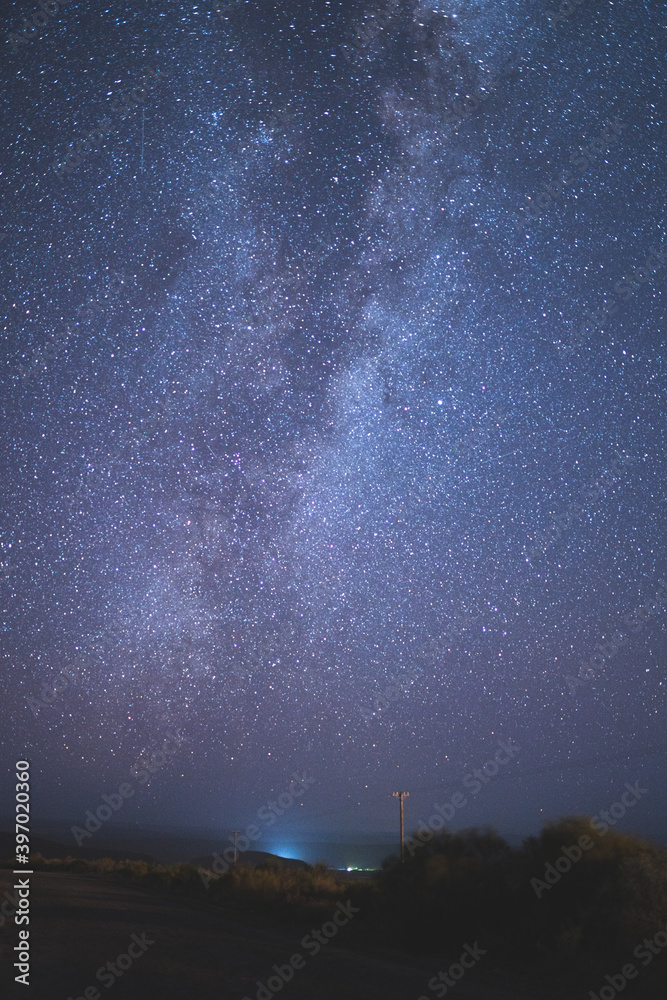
(252, 859)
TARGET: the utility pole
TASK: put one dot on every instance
(236, 833)
(400, 796)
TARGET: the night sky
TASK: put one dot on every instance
(333, 409)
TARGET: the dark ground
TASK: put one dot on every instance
(79, 922)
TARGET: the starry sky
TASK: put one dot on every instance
(333, 408)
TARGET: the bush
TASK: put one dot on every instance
(473, 886)
(612, 896)
(455, 889)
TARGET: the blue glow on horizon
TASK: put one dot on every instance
(285, 852)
